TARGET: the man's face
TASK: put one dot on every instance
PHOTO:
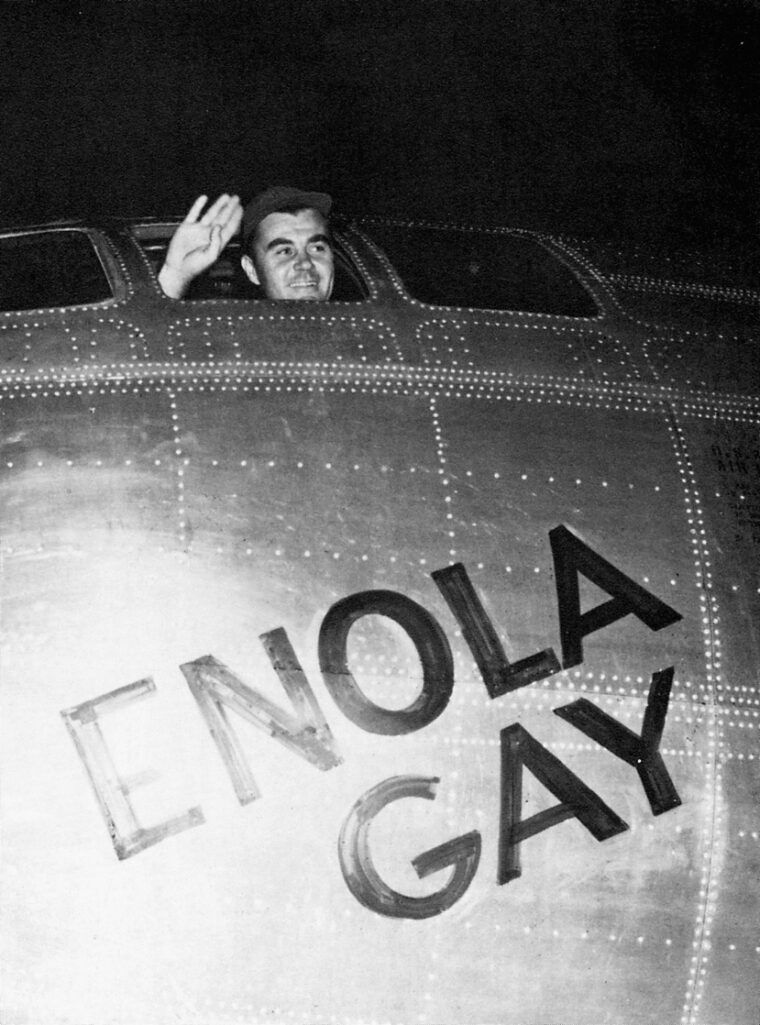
(292, 256)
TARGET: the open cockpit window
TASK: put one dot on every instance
(50, 268)
(226, 280)
(482, 270)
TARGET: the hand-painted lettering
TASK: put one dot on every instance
(112, 792)
(518, 749)
(432, 648)
(304, 730)
(640, 752)
(499, 676)
(571, 557)
(362, 877)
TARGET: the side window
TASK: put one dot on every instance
(477, 270)
(226, 280)
(50, 268)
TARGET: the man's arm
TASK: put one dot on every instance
(197, 243)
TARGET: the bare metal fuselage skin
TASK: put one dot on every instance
(179, 479)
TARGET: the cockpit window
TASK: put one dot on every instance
(50, 268)
(480, 270)
(226, 280)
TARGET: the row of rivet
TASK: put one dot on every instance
(713, 840)
(683, 264)
(640, 283)
(694, 403)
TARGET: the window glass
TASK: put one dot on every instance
(447, 267)
(56, 268)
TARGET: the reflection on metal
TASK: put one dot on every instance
(306, 733)
(417, 508)
(127, 835)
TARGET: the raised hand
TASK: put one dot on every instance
(198, 241)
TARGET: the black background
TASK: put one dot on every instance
(597, 117)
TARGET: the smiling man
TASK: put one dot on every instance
(286, 243)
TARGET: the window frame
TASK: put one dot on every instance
(105, 253)
(143, 233)
(602, 298)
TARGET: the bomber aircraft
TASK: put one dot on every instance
(386, 660)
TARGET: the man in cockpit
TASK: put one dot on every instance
(286, 248)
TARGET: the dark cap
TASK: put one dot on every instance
(276, 198)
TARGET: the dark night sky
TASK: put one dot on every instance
(599, 117)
